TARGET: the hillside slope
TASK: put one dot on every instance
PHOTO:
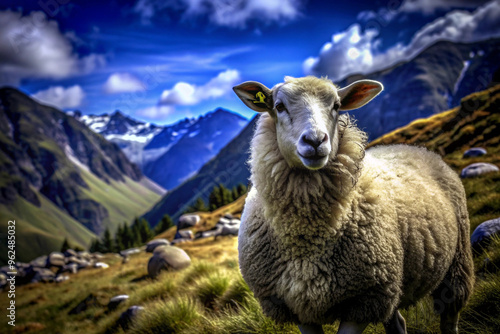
(435, 80)
(61, 180)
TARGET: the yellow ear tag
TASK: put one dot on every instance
(260, 98)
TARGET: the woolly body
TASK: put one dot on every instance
(357, 239)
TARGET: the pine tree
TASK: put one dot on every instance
(242, 190)
(65, 245)
(165, 223)
(107, 242)
(226, 195)
(119, 246)
(214, 199)
(127, 237)
(145, 231)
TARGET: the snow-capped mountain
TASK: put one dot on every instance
(168, 154)
(129, 134)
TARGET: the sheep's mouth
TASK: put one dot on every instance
(315, 161)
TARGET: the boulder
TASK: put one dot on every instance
(84, 264)
(70, 268)
(84, 255)
(188, 234)
(180, 241)
(40, 261)
(474, 152)
(229, 216)
(101, 265)
(224, 221)
(70, 252)
(3, 280)
(43, 275)
(188, 220)
(167, 258)
(96, 256)
(61, 278)
(228, 230)
(235, 222)
(130, 251)
(128, 316)
(206, 234)
(483, 233)
(150, 247)
(477, 169)
(55, 259)
(116, 300)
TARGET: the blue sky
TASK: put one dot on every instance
(161, 61)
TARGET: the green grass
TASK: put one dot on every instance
(40, 230)
(123, 200)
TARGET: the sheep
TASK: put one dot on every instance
(333, 232)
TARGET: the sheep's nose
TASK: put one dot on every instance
(313, 138)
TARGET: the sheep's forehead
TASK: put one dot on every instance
(307, 89)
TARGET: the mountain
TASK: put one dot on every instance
(61, 180)
(433, 81)
(168, 154)
(129, 134)
(228, 167)
(200, 142)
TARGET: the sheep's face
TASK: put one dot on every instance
(305, 111)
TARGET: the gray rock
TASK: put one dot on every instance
(128, 316)
(228, 216)
(188, 234)
(167, 258)
(101, 265)
(483, 233)
(117, 300)
(61, 278)
(70, 252)
(474, 152)
(180, 241)
(228, 230)
(130, 251)
(224, 221)
(235, 222)
(70, 268)
(150, 247)
(40, 261)
(43, 275)
(96, 256)
(84, 264)
(84, 255)
(3, 280)
(55, 259)
(188, 220)
(477, 169)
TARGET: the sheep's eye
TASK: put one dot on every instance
(280, 107)
(336, 106)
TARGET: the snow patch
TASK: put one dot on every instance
(461, 76)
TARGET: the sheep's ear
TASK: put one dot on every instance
(358, 94)
(255, 95)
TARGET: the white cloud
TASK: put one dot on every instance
(352, 51)
(123, 83)
(61, 97)
(430, 6)
(234, 14)
(32, 46)
(184, 93)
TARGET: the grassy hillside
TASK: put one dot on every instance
(58, 179)
(211, 296)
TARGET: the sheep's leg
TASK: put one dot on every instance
(311, 329)
(449, 323)
(396, 324)
(347, 327)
